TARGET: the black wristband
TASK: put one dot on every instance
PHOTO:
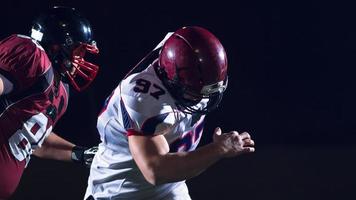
(78, 154)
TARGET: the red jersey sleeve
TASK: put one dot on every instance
(22, 60)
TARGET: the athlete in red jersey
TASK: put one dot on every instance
(34, 76)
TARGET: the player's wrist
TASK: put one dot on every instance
(83, 155)
(218, 150)
(77, 154)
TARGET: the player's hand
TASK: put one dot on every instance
(233, 143)
(84, 155)
(89, 155)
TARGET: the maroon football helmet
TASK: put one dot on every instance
(193, 66)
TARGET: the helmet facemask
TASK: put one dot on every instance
(204, 102)
(70, 63)
(81, 73)
(188, 100)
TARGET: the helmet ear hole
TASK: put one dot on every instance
(69, 41)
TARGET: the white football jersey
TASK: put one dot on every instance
(140, 105)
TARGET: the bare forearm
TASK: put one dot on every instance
(55, 147)
(158, 166)
(174, 167)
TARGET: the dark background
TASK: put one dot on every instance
(291, 85)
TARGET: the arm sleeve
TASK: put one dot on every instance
(143, 114)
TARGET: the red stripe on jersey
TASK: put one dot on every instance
(35, 128)
(23, 144)
(133, 132)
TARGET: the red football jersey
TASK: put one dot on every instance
(29, 112)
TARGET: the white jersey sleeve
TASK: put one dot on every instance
(141, 103)
(145, 105)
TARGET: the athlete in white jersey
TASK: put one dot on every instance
(153, 121)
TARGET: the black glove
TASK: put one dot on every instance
(83, 155)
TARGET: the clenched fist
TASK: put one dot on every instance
(233, 143)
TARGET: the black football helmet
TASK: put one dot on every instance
(193, 67)
(66, 37)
